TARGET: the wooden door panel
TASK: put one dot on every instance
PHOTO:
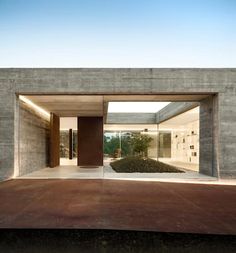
(90, 141)
(54, 140)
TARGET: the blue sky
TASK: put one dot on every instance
(118, 33)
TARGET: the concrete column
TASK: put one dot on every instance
(227, 133)
(7, 114)
(208, 163)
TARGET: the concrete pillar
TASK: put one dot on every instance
(7, 114)
(227, 133)
(208, 163)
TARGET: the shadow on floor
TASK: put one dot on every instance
(70, 241)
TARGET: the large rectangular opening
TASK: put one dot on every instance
(174, 141)
(167, 129)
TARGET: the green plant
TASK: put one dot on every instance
(140, 143)
(139, 164)
(112, 145)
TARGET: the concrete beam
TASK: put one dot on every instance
(173, 109)
(131, 118)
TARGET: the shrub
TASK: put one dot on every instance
(139, 164)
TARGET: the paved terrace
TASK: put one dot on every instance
(118, 204)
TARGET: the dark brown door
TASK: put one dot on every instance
(90, 141)
(54, 140)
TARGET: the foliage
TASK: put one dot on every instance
(131, 144)
(139, 164)
(140, 143)
(111, 145)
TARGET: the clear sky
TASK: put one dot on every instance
(118, 33)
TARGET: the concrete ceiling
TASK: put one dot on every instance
(96, 105)
(70, 106)
(182, 119)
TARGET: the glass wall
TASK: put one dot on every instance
(127, 140)
(164, 148)
(183, 133)
(175, 141)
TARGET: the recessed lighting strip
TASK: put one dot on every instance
(33, 105)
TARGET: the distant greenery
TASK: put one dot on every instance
(131, 144)
(111, 145)
(139, 164)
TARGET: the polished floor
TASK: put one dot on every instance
(66, 172)
(106, 172)
(69, 170)
(66, 161)
(118, 204)
(180, 164)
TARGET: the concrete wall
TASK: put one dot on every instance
(225, 132)
(206, 138)
(7, 124)
(33, 140)
(124, 81)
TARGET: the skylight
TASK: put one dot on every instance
(136, 107)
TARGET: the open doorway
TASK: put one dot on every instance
(68, 141)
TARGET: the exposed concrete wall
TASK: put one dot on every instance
(227, 133)
(119, 81)
(33, 140)
(173, 109)
(7, 109)
(206, 138)
(122, 81)
(131, 118)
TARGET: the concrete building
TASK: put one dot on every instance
(28, 137)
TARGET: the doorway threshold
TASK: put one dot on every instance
(66, 172)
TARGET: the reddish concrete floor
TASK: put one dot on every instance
(115, 204)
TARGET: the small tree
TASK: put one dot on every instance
(141, 143)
